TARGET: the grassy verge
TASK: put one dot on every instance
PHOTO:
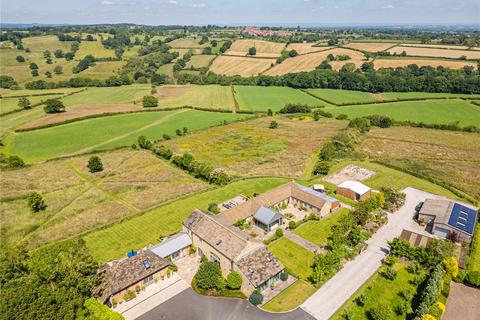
(291, 297)
(296, 259)
(114, 241)
(318, 231)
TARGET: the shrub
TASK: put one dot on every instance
(15, 162)
(256, 298)
(149, 102)
(473, 278)
(36, 202)
(321, 167)
(428, 317)
(295, 108)
(450, 265)
(213, 208)
(163, 152)
(273, 125)
(95, 164)
(414, 267)
(400, 308)
(234, 280)
(380, 121)
(437, 309)
(20, 59)
(361, 300)
(284, 276)
(292, 225)
(53, 106)
(279, 233)
(144, 143)
(129, 295)
(342, 117)
(166, 137)
(381, 311)
(321, 113)
(389, 273)
(252, 51)
(362, 124)
(209, 276)
(391, 260)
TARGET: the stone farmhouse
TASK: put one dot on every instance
(233, 250)
(449, 219)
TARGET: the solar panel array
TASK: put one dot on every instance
(463, 218)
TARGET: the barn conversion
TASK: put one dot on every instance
(449, 219)
(174, 247)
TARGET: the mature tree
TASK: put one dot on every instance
(213, 207)
(273, 125)
(144, 143)
(58, 53)
(47, 54)
(36, 202)
(48, 74)
(69, 56)
(158, 79)
(209, 276)
(292, 53)
(252, 51)
(7, 82)
(213, 43)
(89, 38)
(53, 106)
(58, 70)
(207, 50)
(95, 164)
(35, 72)
(324, 266)
(20, 59)
(33, 66)
(84, 64)
(149, 101)
(24, 103)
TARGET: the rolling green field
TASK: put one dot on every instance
(208, 96)
(291, 297)
(318, 231)
(108, 132)
(108, 95)
(416, 95)
(199, 61)
(275, 98)
(342, 96)
(428, 111)
(11, 104)
(296, 259)
(113, 242)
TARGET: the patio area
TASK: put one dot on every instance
(295, 211)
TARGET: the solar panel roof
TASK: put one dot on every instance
(463, 218)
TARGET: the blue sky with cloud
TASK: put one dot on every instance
(156, 12)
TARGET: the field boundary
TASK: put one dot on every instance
(235, 101)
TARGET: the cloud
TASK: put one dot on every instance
(106, 3)
(388, 7)
(172, 1)
(199, 5)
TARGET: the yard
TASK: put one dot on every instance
(114, 241)
(380, 290)
(275, 98)
(318, 231)
(291, 297)
(296, 259)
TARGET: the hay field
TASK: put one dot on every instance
(258, 98)
(108, 95)
(451, 157)
(103, 70)
(439, 46)
(396, 62)
(441, 53)
(187, 43)
(264, 48)
(95, 48)
(181, 51)
(108, 132)
(242, 66)
(303, 48)
(310, 61)
(343, 96)
(199, 61)
(250, 148)
(166, 69)
(369, 46)
(78, 201)
(427, 111)
(205, 96)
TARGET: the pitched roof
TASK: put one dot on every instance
(272, 197)
(355, 186)
(259, 266)
(225, 239)
(121, 274)
(172, 245)
(267, 216)
(463, 218)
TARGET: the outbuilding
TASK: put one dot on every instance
(267, 218)
(354, 190)
(175, 247)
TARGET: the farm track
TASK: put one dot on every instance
(160, 121)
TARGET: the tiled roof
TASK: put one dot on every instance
(121, 274)
(218, 235)
(172, 245)
(259, 266)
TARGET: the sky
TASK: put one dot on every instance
(226, 12)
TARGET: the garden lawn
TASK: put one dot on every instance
(113, 242)
(377, 290)
(342, 96)
(108, 132)
(258, 98)
(296, 259)
(428, 111)
(318, 231)
(291, 297)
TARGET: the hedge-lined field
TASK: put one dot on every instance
(108, 95)
(263, 98)
(208, 96)
(108, 132)
(342, 96)
(114, 242)
(428, 111)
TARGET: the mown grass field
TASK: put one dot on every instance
(94, 48)
(451, 157)
(428, 111)
(108, 95)
(251, 148)
(296, 259)
(275, 98)
(379, 290)
(290, 298)
(395, 62)
(264, 48)
(207, 96)
(78, 201)
(11, 104)
(318, 231)
(187, 43)
(199, 61)
(108, 132)
(426, 95)
(113, 242)
(435, 52)
(342, 96)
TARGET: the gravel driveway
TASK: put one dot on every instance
(333, 294)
